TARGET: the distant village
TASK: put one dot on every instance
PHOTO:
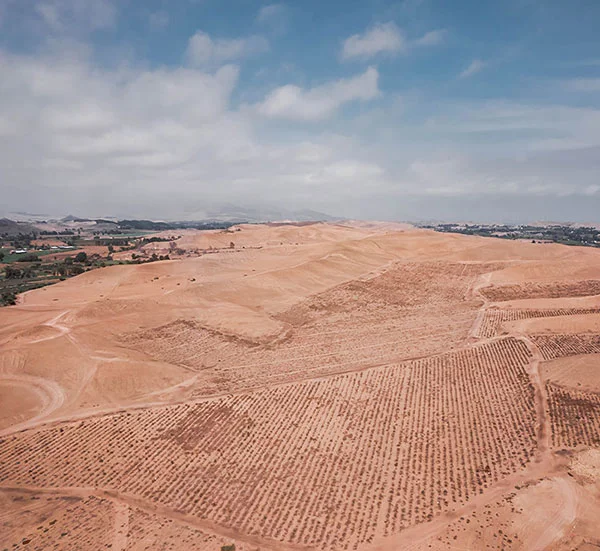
(566, 234)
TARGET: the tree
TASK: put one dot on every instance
(81, 257)
(8, 298)
(12, 273)
(28, 272)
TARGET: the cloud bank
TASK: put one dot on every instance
(96, 134)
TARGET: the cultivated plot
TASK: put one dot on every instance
(555, 289)
(411, 310)
(329, 463)
(493, 318)
(558, 346)
(575, 417)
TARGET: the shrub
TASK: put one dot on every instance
(29, 258)
(8, 298)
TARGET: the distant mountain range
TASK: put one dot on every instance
(10, 227)
(214, 216)
(235, 213)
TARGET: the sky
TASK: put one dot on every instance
(412, 110)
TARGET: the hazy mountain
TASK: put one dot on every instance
(235, 213)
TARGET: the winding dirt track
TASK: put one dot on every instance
(50, 394)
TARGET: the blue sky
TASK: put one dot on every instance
(411, 110)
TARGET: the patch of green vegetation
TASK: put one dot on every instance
(8, 258)
(18, 277)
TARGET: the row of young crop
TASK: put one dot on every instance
(494, 317)
(575, 417)
(560, 345)
(38, 523)
(307, 352)
(406, 286)
(529, 290)
(327, 463)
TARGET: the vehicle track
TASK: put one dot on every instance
(50, 393)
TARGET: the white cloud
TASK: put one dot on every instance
(519, 127)
(271, 14)
(386, 38)
(474, 67)
(81, 137)
(293, 102)
(381, 38)
(431, 38)
(462, 175)
(141, 142)
(204, 51)
(76, 16)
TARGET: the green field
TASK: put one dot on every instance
(8, 258)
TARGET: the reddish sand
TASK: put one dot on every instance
(320, 386)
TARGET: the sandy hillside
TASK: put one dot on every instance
(315, 386)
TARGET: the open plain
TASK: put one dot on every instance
(313, 386)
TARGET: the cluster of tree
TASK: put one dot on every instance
(154, 258)
(156, 239)
(22, 241)
(161, 226)
(62, 232)
(11, 272)
(30, 257)
(124, 242)
(69, 267)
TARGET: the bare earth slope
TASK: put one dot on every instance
(320, 386)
